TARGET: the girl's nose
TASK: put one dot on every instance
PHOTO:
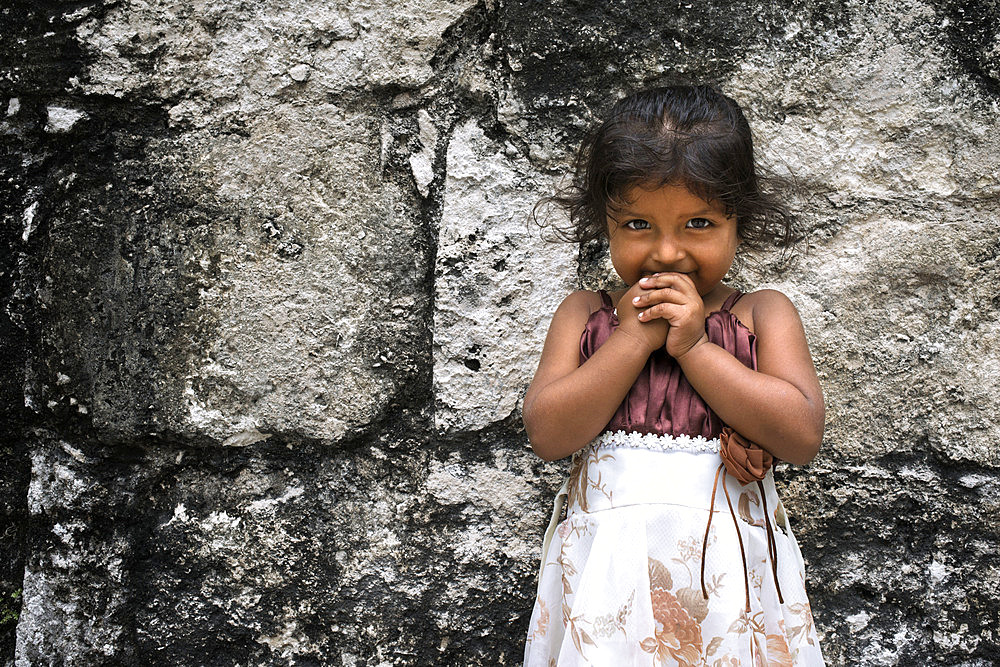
(668, 250)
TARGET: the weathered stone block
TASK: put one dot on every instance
(497, 282)
(269, 281)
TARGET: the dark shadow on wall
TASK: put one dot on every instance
(591, 53)
(973, 29)
(37, 57)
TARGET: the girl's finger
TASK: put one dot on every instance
(661, 280)
(661, 310)
(661, 295)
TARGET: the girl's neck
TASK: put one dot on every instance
(717, 297)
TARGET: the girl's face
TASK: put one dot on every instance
(669, 229)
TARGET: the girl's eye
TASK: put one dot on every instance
(637, 224)
(699, 223)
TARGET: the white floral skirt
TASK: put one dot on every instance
(621, 582)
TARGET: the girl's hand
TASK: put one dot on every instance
(673, 298)
(650, 332)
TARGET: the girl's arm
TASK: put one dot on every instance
(780, 405)
(568, 404)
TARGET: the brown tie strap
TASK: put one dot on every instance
(747, 462)
(772, 545)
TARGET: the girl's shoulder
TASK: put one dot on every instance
(571, 318)
(765, 309)
(585, 302)
(576, 311)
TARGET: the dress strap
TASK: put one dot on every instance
(605, 299)
(731, 300)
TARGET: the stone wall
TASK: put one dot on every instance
(271, 302)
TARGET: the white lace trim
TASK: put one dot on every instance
(657, 442)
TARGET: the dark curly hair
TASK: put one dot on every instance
(689, 135)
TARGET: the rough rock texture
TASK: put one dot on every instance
(271, 302)
(491, 311)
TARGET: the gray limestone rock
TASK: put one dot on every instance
(59, 119)
(287, 299)
(497, 282)
(224, 61)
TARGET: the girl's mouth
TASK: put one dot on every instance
(650, 274)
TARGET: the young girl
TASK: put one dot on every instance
(672, 396)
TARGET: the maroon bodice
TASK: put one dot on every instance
(661, 400)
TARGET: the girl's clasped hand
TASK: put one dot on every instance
(664, 310)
